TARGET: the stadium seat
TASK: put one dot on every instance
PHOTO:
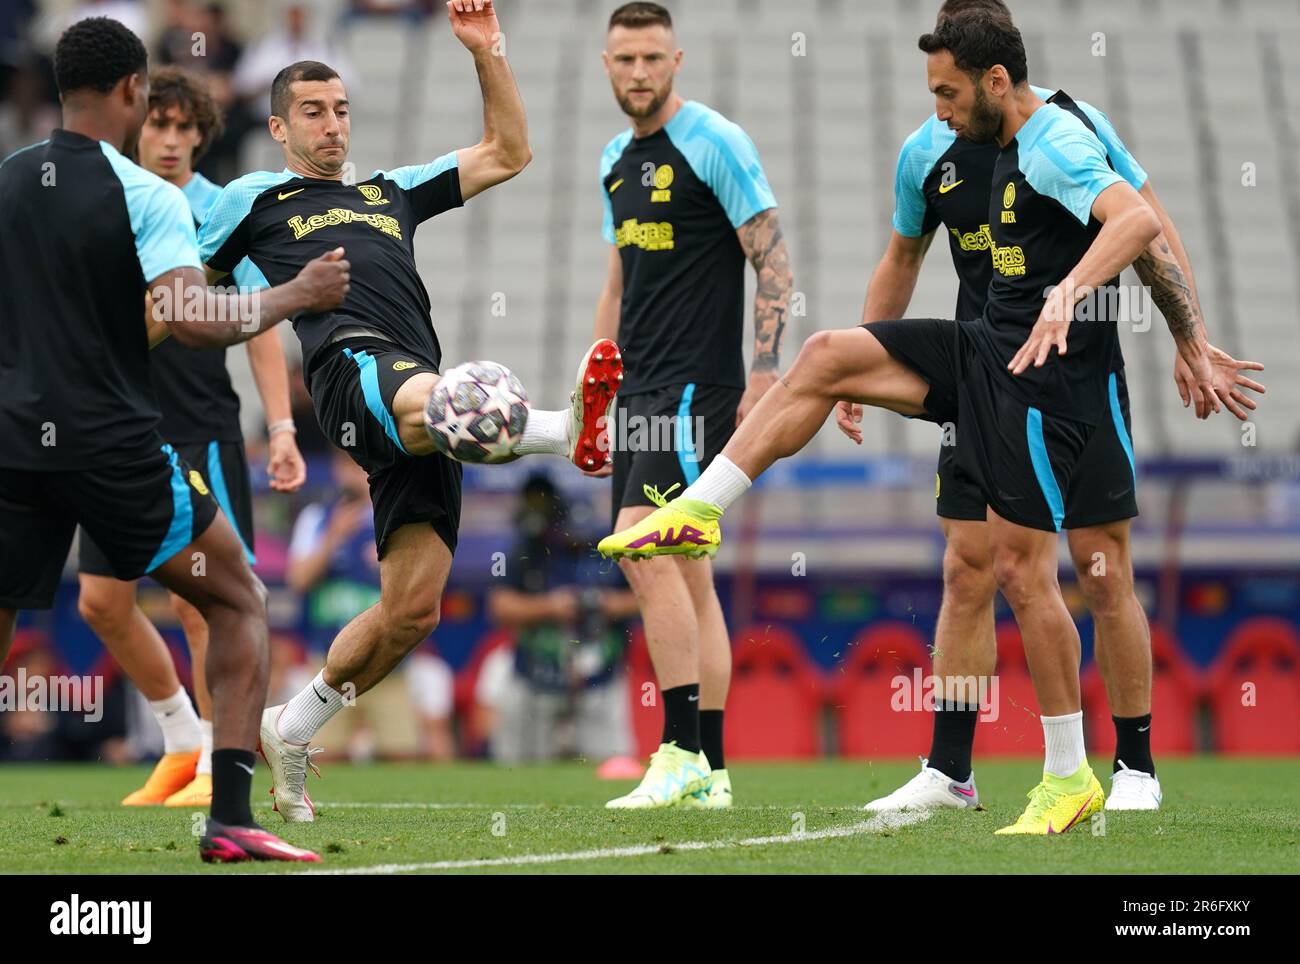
(773, 710)
(1017, 731)
(865, 694)
(1254, 689)
(1175, 698)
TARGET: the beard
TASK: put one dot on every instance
(985, 120)
(656, 101)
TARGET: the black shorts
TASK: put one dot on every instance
(140, 511)
(667, 436)
(1105, 491)
(223, 466)
(1024, 462)
(352, 389)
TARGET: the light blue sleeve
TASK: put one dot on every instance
(1068, 164)
(909, 198)
(724, 158)
(1125, 164)
(227, 214)
(608, 158)
(160, 219)
(413, 175)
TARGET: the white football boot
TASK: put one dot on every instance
(1133, 790)
(928, 790)
(289, 763)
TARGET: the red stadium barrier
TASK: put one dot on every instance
(869, 724)
(466, 683)
(1017, 731)
(774, 705)
(1176, 689)
(1254, 689)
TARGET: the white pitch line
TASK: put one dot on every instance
(881, 822)
(419, 805)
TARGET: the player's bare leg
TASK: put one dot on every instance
(109, 607)
(832, 365)
(212, 574)
(672, 632)
(965, 647)
(412, 576)
(572, 433)
(1122, 645)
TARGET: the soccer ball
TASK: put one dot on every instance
(477, 413)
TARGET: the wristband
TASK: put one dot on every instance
(284, 425)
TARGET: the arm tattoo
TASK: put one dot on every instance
(764, 246)
(1159, 271)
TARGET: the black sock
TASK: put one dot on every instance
(711, 738)
(682, 716)
(232, 781)
(1133, 743)
(954, 733)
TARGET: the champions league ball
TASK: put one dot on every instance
(477, 413)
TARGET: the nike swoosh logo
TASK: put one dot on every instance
(614, 187)
(963, 792)
(1143, 729)
(692, 699)
(945, 188)
(1118, 495)
(245, 767)
(1073, 819)
(318, 696)
(286, 194)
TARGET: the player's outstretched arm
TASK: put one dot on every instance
(764, 247)
(503, 152)
(1128, 226)
(889, 292)
(202, 317)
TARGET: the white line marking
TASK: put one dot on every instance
(419, 805)
(878, 823)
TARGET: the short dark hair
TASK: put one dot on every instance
(994, 8)
(282, 95)
(978, 42)
(95, 53)
(640, 14)
(173, 87)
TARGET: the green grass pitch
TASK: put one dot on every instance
(1219, 816)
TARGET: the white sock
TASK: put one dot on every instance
(545, 433)
(205, 756)
(309, 710)
(179, 723)
(1064, 737)
(722, 483)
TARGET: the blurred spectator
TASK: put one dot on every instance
(334, 565)
(566, 692)
(30, 109)
(266, 56)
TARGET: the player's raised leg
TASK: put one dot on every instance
(965, 648)
(413, 572)
(1122, 645)
(832, 365)
(109, 607)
